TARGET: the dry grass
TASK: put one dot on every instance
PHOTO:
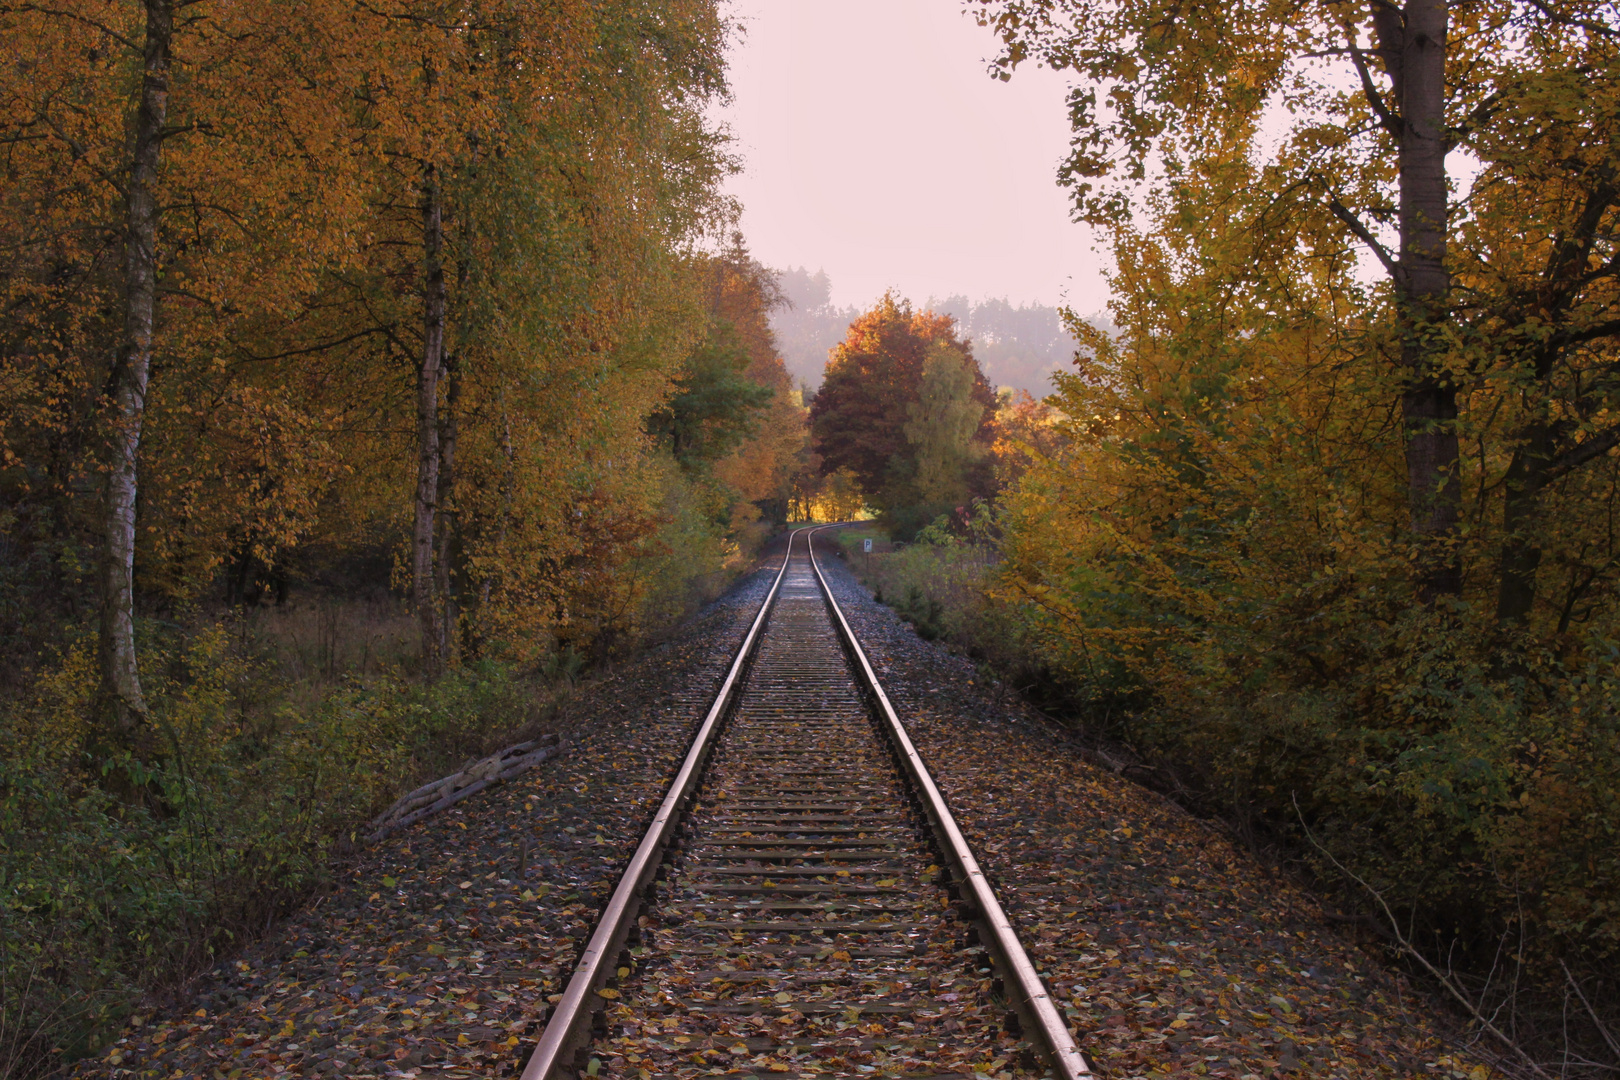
(323, 639)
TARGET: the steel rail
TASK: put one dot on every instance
(1050, 1028)
(572, 1015)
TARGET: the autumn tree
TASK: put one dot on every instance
(1027, 432)
(942, 427)
(1431, 78)
(1258, 542)
(345, 271)
(178, 282)
(871, 417)
(763, 468)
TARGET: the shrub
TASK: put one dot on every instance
(101, 896)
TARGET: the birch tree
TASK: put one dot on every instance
(105, 141)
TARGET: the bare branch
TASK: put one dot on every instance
(1445, 981)
(1608, 1036)
(1393, 267)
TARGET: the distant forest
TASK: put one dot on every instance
(1016, 346)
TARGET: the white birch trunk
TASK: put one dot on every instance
(120, 675)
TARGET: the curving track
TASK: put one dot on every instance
(802, 902)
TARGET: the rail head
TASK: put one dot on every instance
(570, 1019)
(1038, 1008)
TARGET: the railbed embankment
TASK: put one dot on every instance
(1174, 952)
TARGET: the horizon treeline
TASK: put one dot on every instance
(1018, 347)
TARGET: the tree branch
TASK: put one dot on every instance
(1353, 223)
(324, 346)
(1410, 950)
(1477, 118)
(38, 9)
(1578, 455)
(1601, 29)
(1608, 1036)
(1386, 117)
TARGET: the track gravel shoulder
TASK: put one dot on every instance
(1175, 953)
(434, 955)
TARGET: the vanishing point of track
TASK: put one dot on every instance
(803, 871)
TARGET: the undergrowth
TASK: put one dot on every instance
(1465, 817)
(937, 584)
(251, 793)
(275, 733)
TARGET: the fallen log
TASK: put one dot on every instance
(429, 799)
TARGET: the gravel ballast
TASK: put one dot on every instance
(1174, 952)
(434, 955)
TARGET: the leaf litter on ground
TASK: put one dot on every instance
(1173, 952)
(434, 953)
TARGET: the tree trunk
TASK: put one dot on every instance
(1414, 51)
(447, 523)
(508, 487)
(1521, 555)
(1538, 446)
(120, 676)
(434, 303)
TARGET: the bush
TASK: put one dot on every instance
(937, 583)
(101, 896)
(1447, 784)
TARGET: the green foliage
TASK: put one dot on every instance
(715, 406)
(941, 427)
(103, 893)
(937, 583)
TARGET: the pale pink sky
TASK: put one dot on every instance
(877, 147)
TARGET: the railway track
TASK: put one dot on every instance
(802, 902)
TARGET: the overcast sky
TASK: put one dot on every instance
(877, 147)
